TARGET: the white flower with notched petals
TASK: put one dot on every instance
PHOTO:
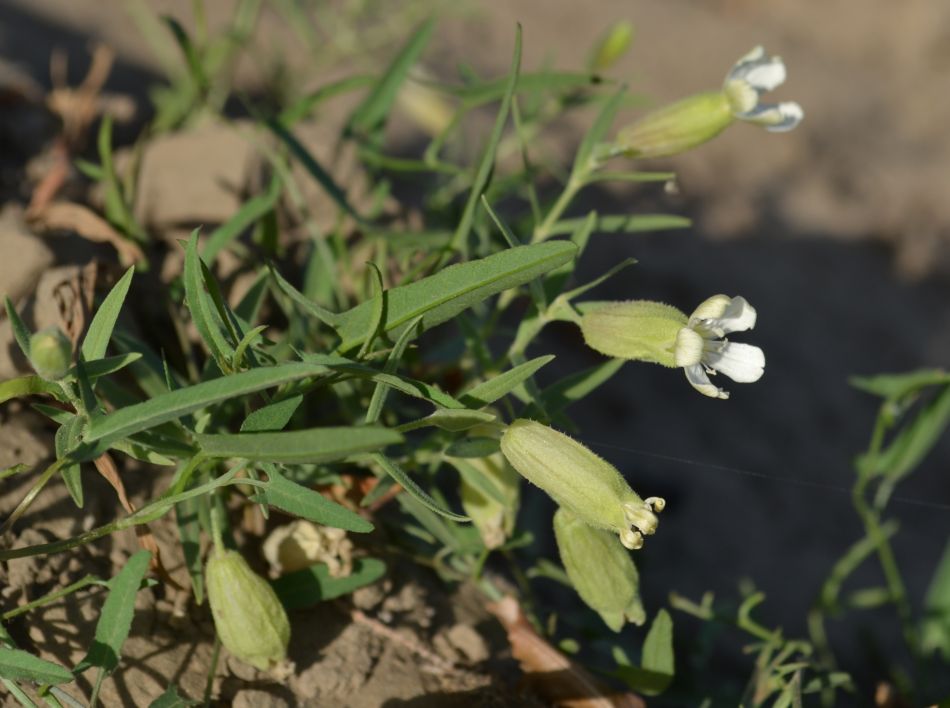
(702, 350)
(753, 75)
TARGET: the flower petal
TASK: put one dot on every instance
(743, 363)
(689, 348)
(775, 117)
(720, 315)
(760, 72)
(698, 378)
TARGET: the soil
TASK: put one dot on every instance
(838, 233)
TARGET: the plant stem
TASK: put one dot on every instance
(31, 495)
(53, 597)
(543, 230)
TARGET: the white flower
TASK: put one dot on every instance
(701, 349)
(753, 75)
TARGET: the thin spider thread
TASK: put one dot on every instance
(824, 486)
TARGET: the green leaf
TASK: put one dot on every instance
(381, 392)
(477, 479)
(895, 387)
(18, 665)
(250, 213)
(305, 105)
(28, 386)
(273, 416)
(103, 430)
(308, 586)
(473, 447)
(563, 393)
(657, 663)
(190, 52)
(487, 164)
(372, 112)
(624, 223)
(97, 337)
(308, 305)
(20, 331)
(115, 620)
(413, 489)
(171, 699)
(106, 365)
(493, 389)
(441, 296)
(205, 315)
(187, 514)
(915, 439)
(313, 166)
(281, 493)
(595, 134)
(935, 625)
(452, 419)
(67, 437)
(298, 446)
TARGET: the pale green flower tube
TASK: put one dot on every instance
(580, 481)
(601, 570)
(248, 616)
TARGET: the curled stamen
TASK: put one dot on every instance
(641, 516)
(658, 504)
(632, 540)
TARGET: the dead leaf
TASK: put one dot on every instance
(107, 468)
(552, 674)
(67, 216)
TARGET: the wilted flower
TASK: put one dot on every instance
(699, 118)
(580, 481)
(702, 350)
(659, 333)
(50, 353)
(248, 616)
(601, 570)
(302, 543)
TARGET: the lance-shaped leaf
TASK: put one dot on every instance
(298, 446)
(300, 501)
(97, 338)
(308, 586)
(440, 297)
(17, 664)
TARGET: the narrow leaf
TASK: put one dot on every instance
(298, 446)
(250, 213)
(625, 224)
(201, 306)
(20, 331)
(308, 586)
(414, 490)
(295, 499)
(273, 416)
(18, 665)
(97, 337)
(441, 296)
(174, 404)
(115, 620)
(493, 389)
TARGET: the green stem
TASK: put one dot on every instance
(543, 230)
(53, 597)
(31, 495)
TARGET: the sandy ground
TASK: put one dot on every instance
(837, 233)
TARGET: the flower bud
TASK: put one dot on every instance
(633, 330)
(495, 521)
(613, 45)
(50, 353)
(580, 481)
(250, 620)
(678, 127)
(601, 570)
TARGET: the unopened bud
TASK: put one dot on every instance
(637, 329)
(613, 45)
(601, 570)
(50, 353)
(248, 616)
(678, 127)
(580, 481)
